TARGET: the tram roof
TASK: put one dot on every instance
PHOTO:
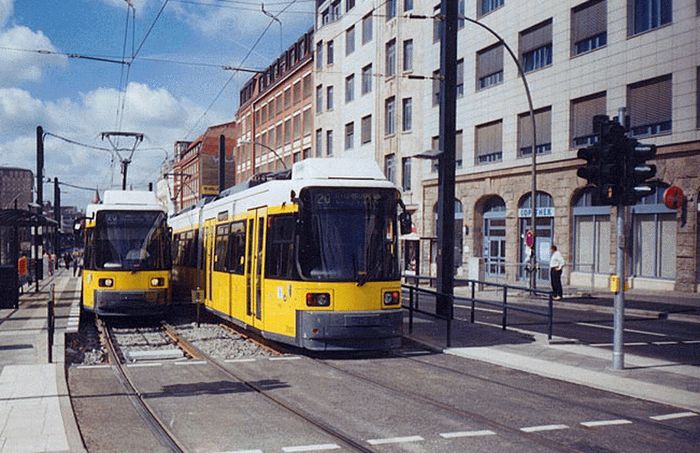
(126, 200)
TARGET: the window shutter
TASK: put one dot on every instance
(543, 127)
(489, 61)
(650, 101)
(489, 138)
(589, 20)
(582, 113)
(536, 37)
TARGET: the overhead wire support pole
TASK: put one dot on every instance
(125, 161)
(446, 174)
(619, 300)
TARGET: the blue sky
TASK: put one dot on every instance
(79, 99)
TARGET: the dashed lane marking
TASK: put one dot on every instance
(319, 447)
(239, 360)
(643, 332)
(593, 424)
(191, 362)
(673, 416)
(395, 440)
(534, 429)
(93, 366)
(143, 365)
(483, 432)
(690, 341)
(285, 358)
(242, 451)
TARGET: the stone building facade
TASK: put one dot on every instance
(16, 185)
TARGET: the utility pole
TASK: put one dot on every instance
(619, 304)
(57, 216)
(446, 174)
(222, 163)
(38, 265)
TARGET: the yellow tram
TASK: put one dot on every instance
(127, 263)
(307, 257)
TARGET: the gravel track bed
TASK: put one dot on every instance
(219, 342)
(141, 339)
(85, 347)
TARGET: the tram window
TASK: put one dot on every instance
(280, 247)
(221, 248)
(236, 244)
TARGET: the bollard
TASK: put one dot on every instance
(410, 310)
(473, 300)
(504, 321)
(551, 317)
(50, 321)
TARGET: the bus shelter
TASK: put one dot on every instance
(16, 267)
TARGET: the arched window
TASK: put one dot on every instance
(654, 237)
(545, 233)
(591, 235)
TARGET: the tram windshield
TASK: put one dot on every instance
(129, 241)
(348, 235)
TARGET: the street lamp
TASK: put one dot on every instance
(243, 141)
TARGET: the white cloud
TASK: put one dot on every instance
(22, 64)
(6, 10)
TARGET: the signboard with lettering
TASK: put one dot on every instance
(541, 212)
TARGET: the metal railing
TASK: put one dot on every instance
(502, 304)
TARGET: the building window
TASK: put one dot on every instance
(389, 169)
(329, 143)
(329, 98)
(543, 128)
(390, 116)
(349, 4)
(306, 85)
(390, 9)
(489, 67)
(459, 148)
(366, 132)
(307, 122)
(644, 15)
(296, 92)
(489, 142)
(437, 24)
(367, 79)
(350, 135)
(288, 131)
(436, 88)
(407, 114)
(319, 99)
(591, 235)
(367, 29)
(407, 5)
(335, 11)
(350, 88)
(279, 135)
(319, 55)
(329, 51)
(408, 55)
(582, 112)
(460, 14)
(349, 40)
(435, 146)
(486, 6)
(406, 174)
(319, 142)
(390, 58)
(654, 229)
(296, 123)
(589, 26)
(287, 98)
(536, 46)
(650, 106)
(460, 78)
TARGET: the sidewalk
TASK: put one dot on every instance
(35, 408)
(665, 382)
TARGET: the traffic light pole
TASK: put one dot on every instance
(619, 310)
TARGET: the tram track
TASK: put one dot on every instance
(164, 435)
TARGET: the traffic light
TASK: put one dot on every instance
(605, 161)
(637, 171)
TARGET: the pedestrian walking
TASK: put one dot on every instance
(556, 265)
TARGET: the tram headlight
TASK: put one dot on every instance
(392, 297)
(318, 299)
(106, 282)
(157, 281)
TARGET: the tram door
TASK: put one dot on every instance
(255, 264)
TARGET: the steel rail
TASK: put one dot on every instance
(328, 429)
(160, 429)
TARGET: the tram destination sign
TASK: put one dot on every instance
(348, 199)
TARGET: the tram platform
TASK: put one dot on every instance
(671, 377)
(35, 408)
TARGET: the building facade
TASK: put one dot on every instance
(275, 115)
(581, 58)
(16, 185)
(196, 165)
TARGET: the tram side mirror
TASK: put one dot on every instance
(405, 223)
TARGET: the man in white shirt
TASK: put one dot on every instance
(556, 264)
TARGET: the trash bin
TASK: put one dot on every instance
(9, 286)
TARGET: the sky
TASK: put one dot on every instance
(173, 89)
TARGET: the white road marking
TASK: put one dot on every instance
(664, 343)
(238, 360)
(191, 362)
(143, 365)
(93, 366)
(319, 447)
(593, 424)
(485, 432)
(534, 429)
(242, 451)
(690, 341)
(285, 358)
(395, 440)
(673, 416)
(643, 332)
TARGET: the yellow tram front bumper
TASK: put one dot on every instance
(130, 303)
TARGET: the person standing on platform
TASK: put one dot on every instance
(556, 265)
